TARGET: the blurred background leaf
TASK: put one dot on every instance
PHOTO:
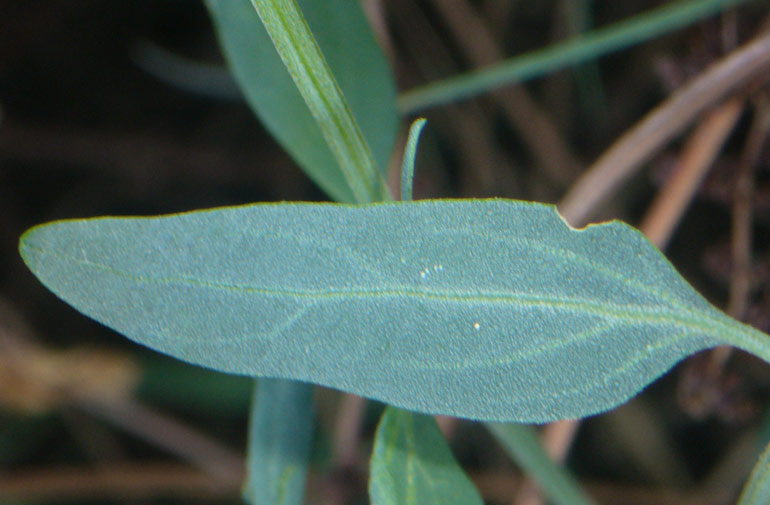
(356, 61)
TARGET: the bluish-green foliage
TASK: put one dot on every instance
(484, 309)
(356, 61)
(412, 464)
(279, 443)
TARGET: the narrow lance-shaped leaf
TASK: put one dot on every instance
(412, 464)
(484, 309)
(299, 51)
(280, 440)
(358, 65)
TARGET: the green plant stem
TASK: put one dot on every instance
(280, 441)
(744, 336)
(300, 53)
(557, 56)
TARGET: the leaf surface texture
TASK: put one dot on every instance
(484, 309)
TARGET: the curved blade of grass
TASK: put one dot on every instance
(591, 45)
(485, 309)
(302, 57)
(353, 56)
(280, 441)
(410, 153)
(412, 464)
(522, 444)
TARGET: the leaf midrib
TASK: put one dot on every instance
(701, 320)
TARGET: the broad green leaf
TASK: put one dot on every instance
(523, 445)
(485, 309)
(353, 56)
(413, 465)
(280, 441)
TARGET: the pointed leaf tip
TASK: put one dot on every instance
(485, 309)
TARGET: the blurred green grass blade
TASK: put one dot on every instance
(193, 76)
(486, 309)
(524, 447)
(412, 464)
(591, 45)
(356, 61)
(280, 442)
(588, 78)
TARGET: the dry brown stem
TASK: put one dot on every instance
(727, 77)
(529, 120)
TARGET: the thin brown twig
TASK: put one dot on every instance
(742, 222)
(696, 158)
(347, 431)
(740, 279)
(522, 112)
(498, 15)
(374, 10)
(557, 87)
(738, 70)
(166, 432)
(171, 480)
(447, 425)
(557, 438)
(145, 480)
(18, 344)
